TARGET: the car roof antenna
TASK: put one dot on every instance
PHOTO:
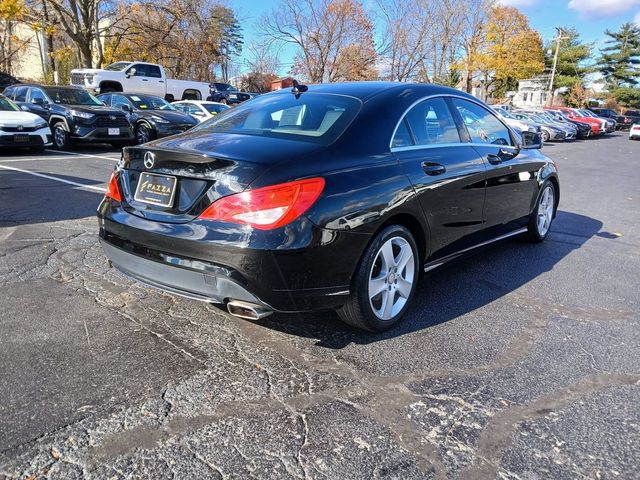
(298, 88)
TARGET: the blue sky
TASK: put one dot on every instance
(590, 17)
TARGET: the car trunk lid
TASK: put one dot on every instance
(206, 167)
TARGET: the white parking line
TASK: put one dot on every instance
(56, 179)
(34, 159)
(84, 155)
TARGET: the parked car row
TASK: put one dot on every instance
(558, 123)
(623, 121)
(74, 115)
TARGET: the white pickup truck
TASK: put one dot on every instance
(138, 77)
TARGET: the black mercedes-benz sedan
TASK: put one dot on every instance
(327, 197)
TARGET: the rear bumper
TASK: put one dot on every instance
(311, 271)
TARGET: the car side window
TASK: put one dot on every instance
(431, 123)
(118, 100)
(37, 94)
(106, 99)
(483, 126)
(402, 138)
(141, 69)
(21, 94)
(153, 71)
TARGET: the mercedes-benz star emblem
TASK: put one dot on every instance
(149, 159)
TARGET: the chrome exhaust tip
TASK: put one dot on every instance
(246, 310)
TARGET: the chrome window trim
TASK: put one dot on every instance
(445, 95)
(449, 145)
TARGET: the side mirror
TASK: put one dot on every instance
(38, 101)
(125, 108)
(531, 141)
(131, 73)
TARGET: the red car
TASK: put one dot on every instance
(574, 114)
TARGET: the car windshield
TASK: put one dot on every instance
(214, 109)
(225, 87)
(586, 113)
(537, 118)
(7, 105)
(546, 116)
(149, 102)
(71, 96)
(116, 67)
(310, 117)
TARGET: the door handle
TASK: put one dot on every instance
(160, 81)
(145, 80)
(494, 159)
(433, 168)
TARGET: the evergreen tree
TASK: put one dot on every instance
(620, 60)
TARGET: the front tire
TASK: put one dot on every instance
(545, 136)
(385, 281)
(542, 216)
(60, 136)
(143, 134)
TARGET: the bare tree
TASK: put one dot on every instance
(85, 22)
(407, 26)
(334, 38)
(263, 58)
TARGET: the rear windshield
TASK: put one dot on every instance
(312, 117)
(71, 96)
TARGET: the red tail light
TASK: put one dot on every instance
(268, 207)
(113, 190)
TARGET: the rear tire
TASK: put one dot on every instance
(385, 281)
(543, 214)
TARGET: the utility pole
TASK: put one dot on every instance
(559, 37)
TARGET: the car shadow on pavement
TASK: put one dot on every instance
(27, 199)
(458, 288)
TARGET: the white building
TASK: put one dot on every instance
(532, 93)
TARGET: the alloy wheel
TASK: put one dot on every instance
(545, 136)
(391, 278)
(59, 136)
(545, 210)
(142, 135)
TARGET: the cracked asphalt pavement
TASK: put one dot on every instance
(520, 362)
